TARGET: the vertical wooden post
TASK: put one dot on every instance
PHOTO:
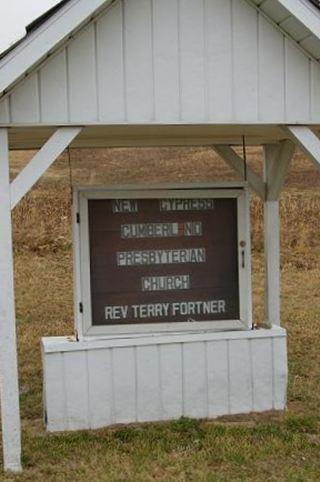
(9, 389)
(271, 242)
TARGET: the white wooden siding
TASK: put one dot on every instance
(172, 61)
(98, 383)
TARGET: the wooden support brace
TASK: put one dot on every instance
(57, 143)
(276, 164)
(279, 163)
(9, 389)
(235, 161)
(306, 139)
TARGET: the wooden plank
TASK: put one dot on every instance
(138, 60)
(53, 90)
(218, 382)
(110, 65)
(315, 91)
(171, 381)
(4, 111)
(9, 389)
(148, 384)
(271, 244)
(82, 85)
(262, 365)
(99, 388)
(77, 396)
(218, 37)
(124, 385)
(245, 61)
(279, 169)
(192, 64)
(54, 392)
(194, 380)
(241, 393)
(297, 84)
(280, 374)
(166, 60)
(271, 72)
(235, 161)
(59, 141)
(308, 142)
(24, 101)
(58, 28)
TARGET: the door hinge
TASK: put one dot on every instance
(81, 307)
(78, 218)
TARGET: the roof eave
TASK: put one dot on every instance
(45, 38)
(307, 14)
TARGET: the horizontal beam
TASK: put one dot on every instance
(306, 139)
(235, 161)
(51, 150)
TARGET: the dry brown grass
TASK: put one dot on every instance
(42, 220)
(276, 448)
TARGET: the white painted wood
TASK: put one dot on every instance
(195, 389)
(262, 360)
(280, 373)
(9, 389)
(245, 61)
(218, 378)
(25, 102)
(240, 376)
(53, 89)
(110, 65)
(148, 384)
(54, 392)
(271, 72)
(279, 170)
(4, 111)
(298, 106)
(124, 384)
(244, 263)
(178, 61)
(99, 388)
(76, 254)
(308, 142)
(315, 90)
(166, 60)
(46, 38)
(219, 68)
(59, 141)
(82, 81)
(139, 60)
(165, 377)
(34, 48)
(51, 344)
(82, 261)
(235, 161)
(76, 390)
(271, 243)
(192, 65)
(304, 13)
(171, 380)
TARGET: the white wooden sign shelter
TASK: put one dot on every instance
(99, 73)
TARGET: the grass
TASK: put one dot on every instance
(256, 447)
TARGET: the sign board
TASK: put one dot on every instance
(163, 260)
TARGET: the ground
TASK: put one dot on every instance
(273, 446)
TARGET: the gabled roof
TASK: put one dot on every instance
(44, 35)
(300, 19)
(34, 25)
